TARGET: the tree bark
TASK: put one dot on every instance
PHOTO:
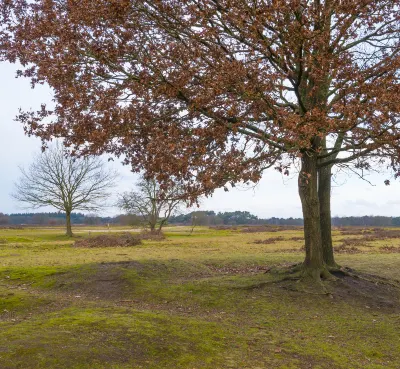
(162, 223)
(68, 222)
(313, 265)
(152, 225)
(324, 194)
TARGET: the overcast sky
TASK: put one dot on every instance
(273, 196)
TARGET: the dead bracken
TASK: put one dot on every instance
(268, 228)
(296, 239)
(119, 240)
(224, 227)
(343, 249)
(371, 234)
(390, 249)
(152, 236)
(269, 241)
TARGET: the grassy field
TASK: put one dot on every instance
(194, 301)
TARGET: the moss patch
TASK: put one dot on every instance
(117, 338)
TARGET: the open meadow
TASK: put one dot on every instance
(200, 300)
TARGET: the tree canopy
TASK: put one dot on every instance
(202, 77)
(215, 91)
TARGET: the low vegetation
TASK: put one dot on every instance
(123, 240)
(269, 240)
(205, 300)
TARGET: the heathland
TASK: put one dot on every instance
(213, 298)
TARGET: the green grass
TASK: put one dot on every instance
(190, 301)
(113, 337)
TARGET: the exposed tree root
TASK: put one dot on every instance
(333, 267)
(305, 279)
(341, 283)
(320, 281)
(300, 271)
(348, 272)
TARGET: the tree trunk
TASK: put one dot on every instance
(162, 223)
(324, 194)
(68, 221)
(313, 265)
(152, 227)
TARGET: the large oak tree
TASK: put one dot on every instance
(215, 91)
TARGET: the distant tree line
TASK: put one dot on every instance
(246, 218)
(52, 219)
(201, 218)
(213, 218)
(367, 221)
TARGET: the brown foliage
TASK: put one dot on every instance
(224, 227)
(267, 228)
(120, 240)
(343, 249)
(296, 239)
(371, 234)
(380, 233)
(153, 236)
(269, 240)
(258, 229)
(353, 231)
(390, 249)
(353, 242)
(216, 77)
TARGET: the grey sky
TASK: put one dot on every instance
(273, 196)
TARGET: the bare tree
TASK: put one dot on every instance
(152, 202)
(64, 182)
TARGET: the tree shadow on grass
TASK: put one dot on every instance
(350, 286)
